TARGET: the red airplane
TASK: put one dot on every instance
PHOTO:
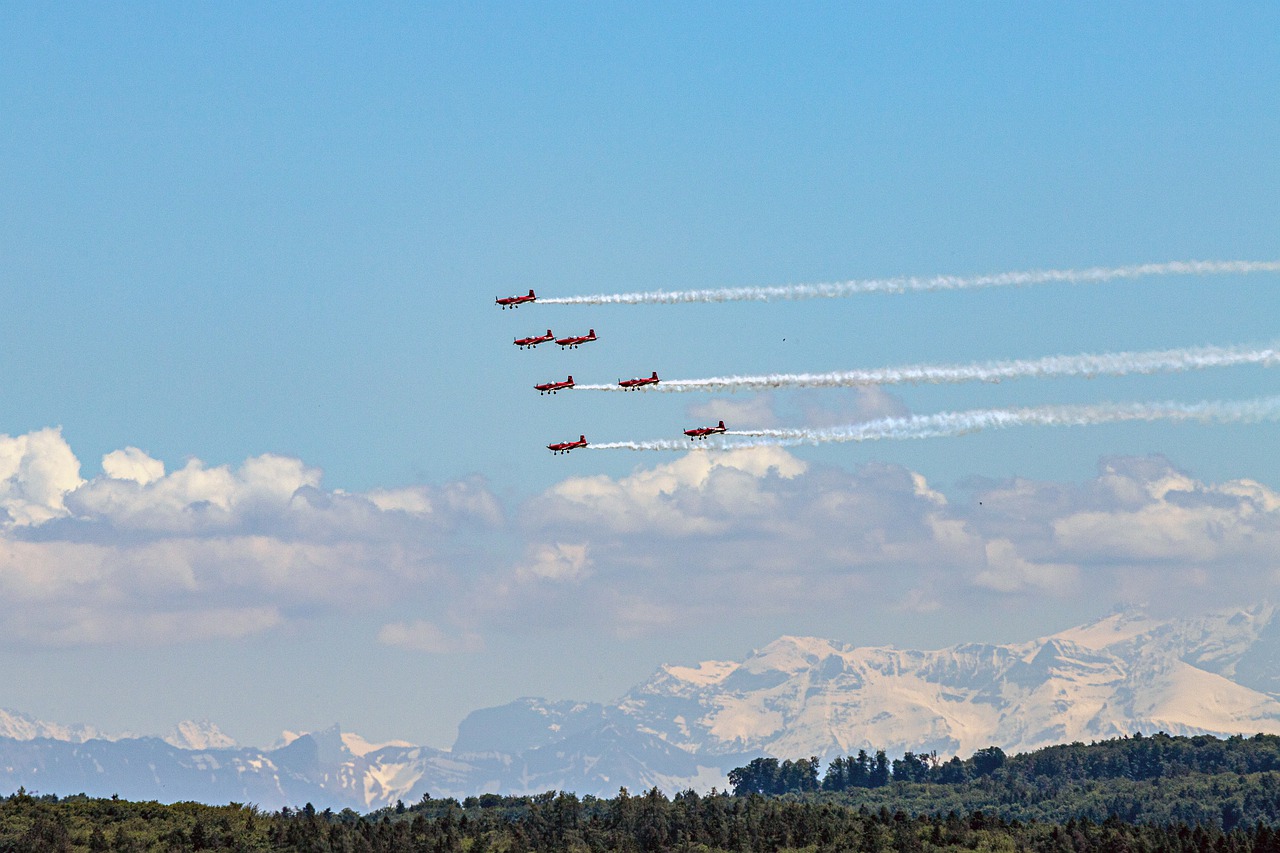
(529, 343)
(703, 432)
(566, 446)
(574, 340)
(553, 387)
(632, 384)
(513, 301)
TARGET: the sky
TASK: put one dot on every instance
(269, 458)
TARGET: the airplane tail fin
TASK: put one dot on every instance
(591, 333)
(582, 438)
(722, 425)
(531, 291)
(655, 374)
(570, 379)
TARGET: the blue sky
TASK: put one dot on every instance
(250, 229)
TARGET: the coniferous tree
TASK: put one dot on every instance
(859, 771)
(835, 778)
(879, 770)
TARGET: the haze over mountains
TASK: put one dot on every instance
(686, 726)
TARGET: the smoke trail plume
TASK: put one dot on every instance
(946, 424)
(835, 290)
(1096, 364)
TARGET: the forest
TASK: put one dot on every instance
(1131, 794)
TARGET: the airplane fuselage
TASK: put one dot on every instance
(514, 301)
(573, 341)
(553, 387)
(566, 446)
(529, 343)
(632, 384)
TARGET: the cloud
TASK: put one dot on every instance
(141, 554)
(556, 561)
(750, 411)
(1139, 514)
(840, 406)
(421, 636)
(36, 472)
(138, 555)
(800, 408)
(132, 464)
(741, 533)
(699, 493)
(1008, 571)
(756, 533)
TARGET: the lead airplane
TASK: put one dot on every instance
(703, 432)
(574, 340)
(566, 446)
(553, 387)
(530, 343)
(632, 384)
(513, 301)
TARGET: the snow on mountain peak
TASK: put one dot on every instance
(703, 674)
(1120, 627)
(19, 726)
(358, 746)
(791, 654)
(189, 734)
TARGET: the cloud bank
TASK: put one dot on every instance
(141, 554)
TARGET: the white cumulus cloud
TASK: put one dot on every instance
(37, 470)
(132, 464)
(141, 555)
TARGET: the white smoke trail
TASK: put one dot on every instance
(1096, 364)
(835, 290)
(946, 424)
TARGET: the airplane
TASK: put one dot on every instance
(529, 343)
(566, 446)
(574, 340)
(632, 384)
(553, 387)
(703, 432)
(514, 301)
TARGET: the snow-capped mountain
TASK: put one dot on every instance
(802, 696)
(189, 734)
(686, 726)
(19, 726)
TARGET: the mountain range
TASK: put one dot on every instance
(687, 726)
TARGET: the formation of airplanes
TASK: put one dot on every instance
(573, 342)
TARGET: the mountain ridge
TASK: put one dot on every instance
(688, 725)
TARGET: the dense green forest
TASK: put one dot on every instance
(1133, 794)
(1158, 779)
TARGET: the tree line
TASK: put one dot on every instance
(1198, 780)
(1160, 756)
(557, 822)
(1136, 794)
(770, 776)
